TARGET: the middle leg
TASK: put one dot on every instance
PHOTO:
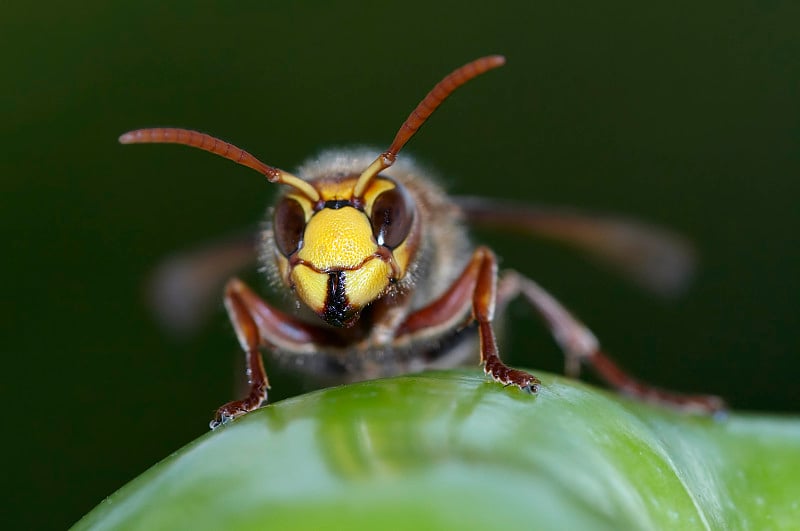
(581, 346)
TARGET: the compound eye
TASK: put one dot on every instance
(392, 215)
(288, 225)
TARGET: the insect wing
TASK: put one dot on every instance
(186, 287)
(652, 257)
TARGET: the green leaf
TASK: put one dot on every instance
(453, 450)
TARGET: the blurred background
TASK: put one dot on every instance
(683, 114)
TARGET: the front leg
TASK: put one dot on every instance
(474, 290)
(249, 339)
(258, 324)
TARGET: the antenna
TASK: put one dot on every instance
(430, 103)
(187, 137)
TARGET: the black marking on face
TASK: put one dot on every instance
(336, 204)
(338, 311)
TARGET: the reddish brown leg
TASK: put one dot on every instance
(475, 291)
(258, 324)
(483, 311)
(249, 339)
(580, 345)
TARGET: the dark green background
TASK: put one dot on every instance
(684, 115)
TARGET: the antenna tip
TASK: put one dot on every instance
(127, 138)
(497, 60)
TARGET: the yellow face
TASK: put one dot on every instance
(341, 254)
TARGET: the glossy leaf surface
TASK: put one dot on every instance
(452, 450)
